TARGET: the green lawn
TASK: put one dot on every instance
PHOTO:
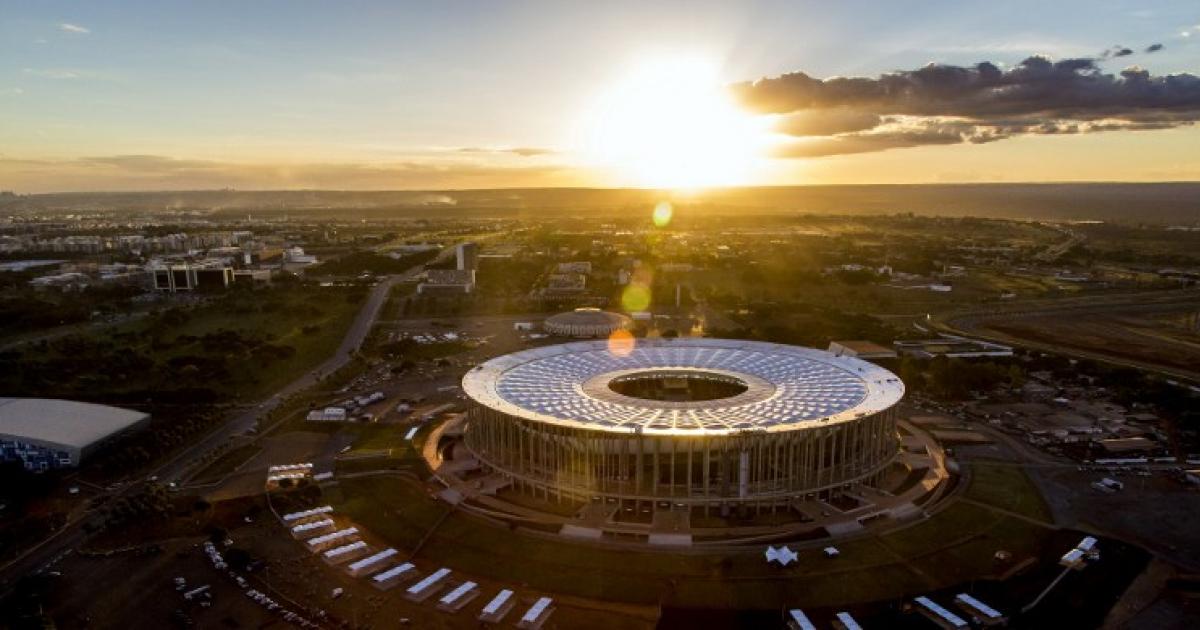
(226, 463)
(237, 346)
(1007, 487)
(869, 568)
(311, 322)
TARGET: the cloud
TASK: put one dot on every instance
(73, 28)
(521, 151)
(53, 73)
(1153, 48)
(1116, 51)
(71, 74)
(948, 104)
(825, 122)
(868, 142)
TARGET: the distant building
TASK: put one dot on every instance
(252, 276)
(328, 414)
(296, 256)
(447, 282)
(1127, 445)
(558, 283)
(467, 257)
(25, 265)
(401, 251)
(951, 346)
(187, 277)
(583, 267)
(45, 433)
(62, 281)
(861, 350)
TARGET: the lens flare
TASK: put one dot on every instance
(662, 214)
(636, 297)
(621, 343)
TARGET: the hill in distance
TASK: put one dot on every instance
(1121, 202)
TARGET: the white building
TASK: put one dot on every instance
(466, 256)
(47, 433)
(447, 281)
(296, 256)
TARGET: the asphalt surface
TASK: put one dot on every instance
(72, 534)
(975, 324)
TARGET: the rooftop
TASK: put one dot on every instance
(450, 276)
(743, 385)
(862, 348)
(64, 422)
(588, 317)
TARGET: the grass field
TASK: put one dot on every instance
(226, 463)
(1159, 337)
(236, 346)
(954, 545)
(1006, 487)
(301, 318)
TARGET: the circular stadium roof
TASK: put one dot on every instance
(781, 387)
(590, 321)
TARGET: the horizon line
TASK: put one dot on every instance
(697, 191)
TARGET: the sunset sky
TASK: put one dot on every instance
(425, 95)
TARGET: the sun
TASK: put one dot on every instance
(671, 124)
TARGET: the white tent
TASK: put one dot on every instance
(783, 555)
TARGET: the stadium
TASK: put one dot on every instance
(689, 422)
(586, 322)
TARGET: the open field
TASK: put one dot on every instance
(312, 321)
(1006, 487)
(1145, 337)
(239, 346)
(1155, 330)
(954, 545)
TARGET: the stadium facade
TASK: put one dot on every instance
(693, 422)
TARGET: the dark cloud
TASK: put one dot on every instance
(1153, 48)
(943, 104)
(845, 144)
(825, 122)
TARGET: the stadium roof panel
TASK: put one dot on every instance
(64, 422)
(786, 387)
